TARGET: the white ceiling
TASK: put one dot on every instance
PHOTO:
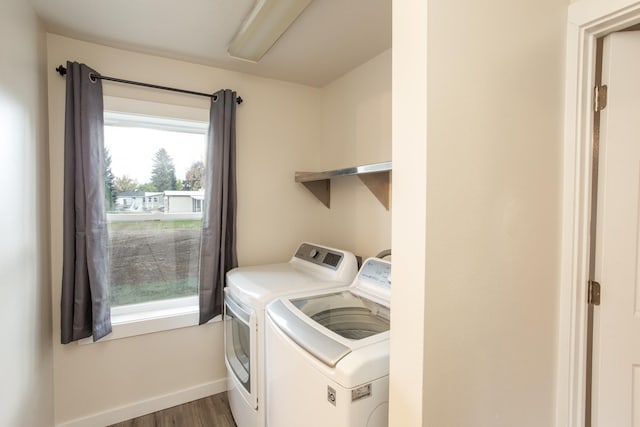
(330, 38)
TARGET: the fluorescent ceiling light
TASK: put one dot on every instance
(268, 20)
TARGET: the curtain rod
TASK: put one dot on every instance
(63, 70)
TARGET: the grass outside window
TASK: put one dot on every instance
(154, 260)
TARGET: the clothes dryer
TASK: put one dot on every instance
(249, 289)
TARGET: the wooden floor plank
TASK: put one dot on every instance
(144, 421)
(216, 408)
(183, 415)
(212, 411)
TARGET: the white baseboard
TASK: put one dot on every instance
(143, 407)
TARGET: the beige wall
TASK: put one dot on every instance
(26, 387)
(281, 128)
(409, 126)
(356, 130)
(491, 105)
(277, 130)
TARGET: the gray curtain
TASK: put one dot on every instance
(85, 308)
(218, 247)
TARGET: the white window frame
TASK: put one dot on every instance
(162, 315)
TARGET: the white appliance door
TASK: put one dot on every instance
(318, 344)
(240, 348)
(616, 369)
(313, 322)
(347, 314)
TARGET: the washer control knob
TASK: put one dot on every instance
(313, 253)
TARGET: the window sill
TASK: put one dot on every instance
(139, 319)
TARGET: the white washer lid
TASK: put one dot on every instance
(347, 361)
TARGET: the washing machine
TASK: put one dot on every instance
(247, 292)
(328, 354)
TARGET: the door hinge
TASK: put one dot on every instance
(600, 98)
(594, 292)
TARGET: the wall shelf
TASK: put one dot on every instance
(376, 176)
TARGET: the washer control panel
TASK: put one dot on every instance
(320, 256)
(377, 273)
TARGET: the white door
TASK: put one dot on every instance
(616, 367)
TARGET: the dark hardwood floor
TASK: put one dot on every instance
(212, 411)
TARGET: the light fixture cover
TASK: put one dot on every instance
(268, 20)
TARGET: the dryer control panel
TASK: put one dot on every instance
(319, 255)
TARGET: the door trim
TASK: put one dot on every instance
(587, 21)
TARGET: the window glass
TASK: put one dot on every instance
(154, 173)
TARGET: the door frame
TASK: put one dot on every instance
(587, 20)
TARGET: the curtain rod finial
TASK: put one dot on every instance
(61, 70)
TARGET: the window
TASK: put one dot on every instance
(152, 164)
(197, 205)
